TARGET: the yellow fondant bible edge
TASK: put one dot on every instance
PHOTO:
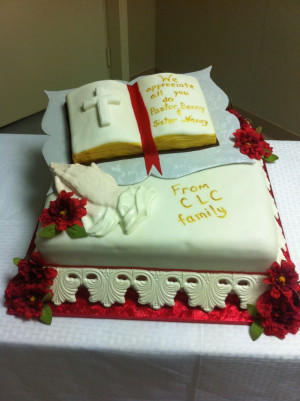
(121, 149)
(177, 141)
(108, 151)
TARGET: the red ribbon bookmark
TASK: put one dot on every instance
(150, 152)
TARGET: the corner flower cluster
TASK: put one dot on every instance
(64, 214)
(28, 293)
(251, 142)
(277, 311)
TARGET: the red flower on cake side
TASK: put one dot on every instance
(28, 293)
(32, 270)
(251, 142)
(277, 311)
(284, 280)
(25, 300)
(64, 214)
(278, 316)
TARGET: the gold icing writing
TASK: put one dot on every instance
(186, 93)
(219, 212)
(193, 199)
(166, 106)
(182, 201)
(164, 121)
(211, 195)
(193, 188)
(169, 82)
(190, 119)
(183, 106)
(158, 93)
(172, 103)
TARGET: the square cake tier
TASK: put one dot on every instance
(220, 219)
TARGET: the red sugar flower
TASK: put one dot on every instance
(268, 150)
(28, 293)
(64, 212)
(33, 270)
(251, 143)
(278, 316)
(25, 299)
(15, 287)
(284, 280)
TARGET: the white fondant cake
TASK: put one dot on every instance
(220, 219)
(206, 233)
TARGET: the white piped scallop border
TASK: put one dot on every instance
(156, 288)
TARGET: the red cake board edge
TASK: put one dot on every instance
(131, 310)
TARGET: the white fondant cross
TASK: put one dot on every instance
(102, 100)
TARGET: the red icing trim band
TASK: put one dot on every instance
(131, 310)
(143, 122)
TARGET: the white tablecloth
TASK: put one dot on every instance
(110, 360)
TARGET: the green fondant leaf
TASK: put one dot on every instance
(252, 310)
(271, 159)
(46, 316)
(47, 297)
(256, 330)
(259, 129)
(76, 231)
(16, 261)
(48, 232)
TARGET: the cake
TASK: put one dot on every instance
(196, 224)
(206, 231)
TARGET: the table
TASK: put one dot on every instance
(110, 360)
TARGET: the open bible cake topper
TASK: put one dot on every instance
(157, 113)
(171, 109)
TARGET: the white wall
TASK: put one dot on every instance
(53, 45)
(253, 46)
